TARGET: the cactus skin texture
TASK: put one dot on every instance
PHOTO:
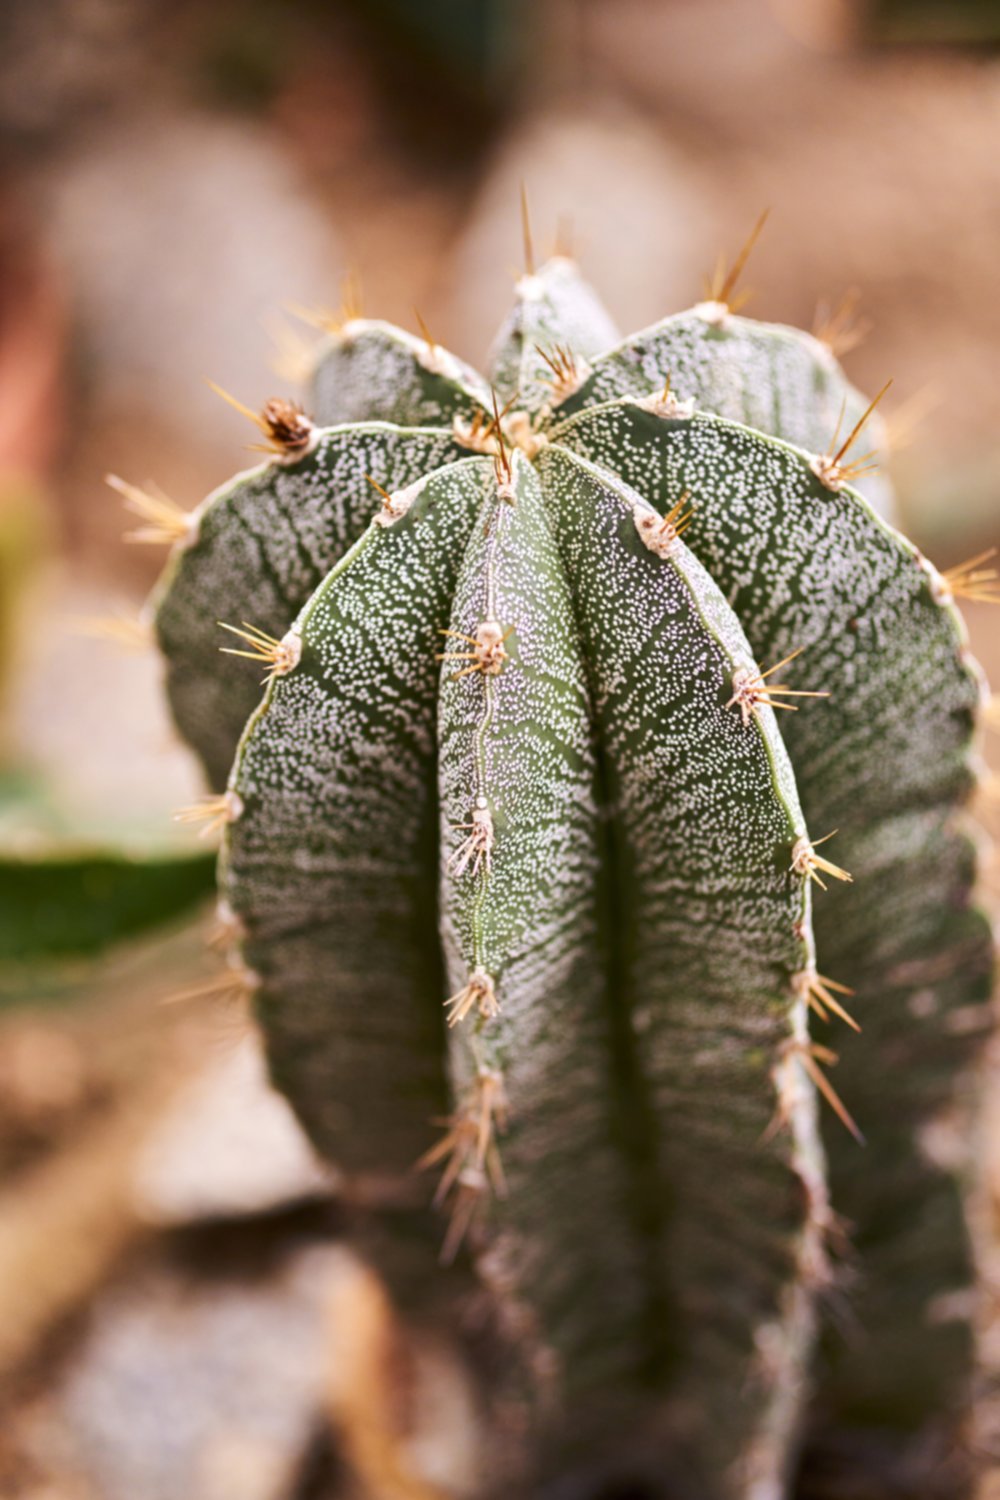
(514, 837)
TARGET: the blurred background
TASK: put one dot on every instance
(176, 179)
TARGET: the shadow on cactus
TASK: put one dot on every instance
(514, 840)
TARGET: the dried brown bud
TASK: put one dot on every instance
(286, 423)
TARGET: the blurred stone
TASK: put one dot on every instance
(60, 58)
(203, 1388)
(403, 1405)
(228, 1145)
(90, 717)
(629, 202)
(179, 237)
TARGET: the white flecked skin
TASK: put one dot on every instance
(807, 567)
(775, 379)
(264, 542)
(632, 911)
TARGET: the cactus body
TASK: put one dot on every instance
(515, 835)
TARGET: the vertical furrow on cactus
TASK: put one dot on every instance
(776, 379)
(256, 549)
(530, 1049)
(713, 926)
(330, 865)
(556, 327)
(370, 371)
(812, 567)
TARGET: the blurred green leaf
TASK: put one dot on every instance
(71, 905)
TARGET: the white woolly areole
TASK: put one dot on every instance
(438, 361)
(660, 537)
(289, 653)
(193, 532)
(473, 434)
(802, 855)
(518, 428)
(940, 592)
(231, 927)
(666, 404)
(827, 472)
(530, 288)
(234, 809)
(716, 313)
(822, 351)
(398, 503)
(353, 329)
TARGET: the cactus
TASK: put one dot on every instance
(513, 836)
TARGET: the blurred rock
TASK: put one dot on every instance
(206, 1389)
(178, 237)
(59, 58)
(635, 212)
(229, 1145)
(91, 719)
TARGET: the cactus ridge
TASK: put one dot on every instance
(778, 380)
(257, 548)
(516, 842)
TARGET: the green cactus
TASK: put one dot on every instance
(513, 834)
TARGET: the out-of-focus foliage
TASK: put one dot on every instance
(77, 904)
(958, 22)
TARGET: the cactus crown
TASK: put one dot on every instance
(513, 836)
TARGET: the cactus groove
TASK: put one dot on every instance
(568, 673)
